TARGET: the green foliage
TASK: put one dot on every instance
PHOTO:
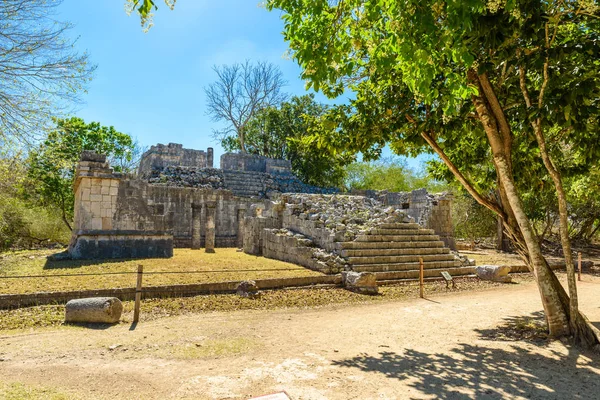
(390, 174)
(408, 64)
(23, 224)
(51, 167)
(144, 8)
(280, 132)
(472, 220)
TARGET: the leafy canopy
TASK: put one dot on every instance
(52, 164)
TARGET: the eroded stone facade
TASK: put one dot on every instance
(179, 200)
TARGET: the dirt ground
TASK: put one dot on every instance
(458, 346)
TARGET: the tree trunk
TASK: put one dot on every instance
(556, 315)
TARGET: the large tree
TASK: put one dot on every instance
(240, 92)
(279, 132)
(41, 74)
(51, 166)
(473, 80)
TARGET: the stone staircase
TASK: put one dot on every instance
(245, 184)
(392, 252)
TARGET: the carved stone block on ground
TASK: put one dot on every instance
(360, 282)
(106, 310)
(495, 273)
(248, 289)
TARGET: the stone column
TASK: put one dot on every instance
(209, 157)
(196, 225)
(211, 209)
(241, 214)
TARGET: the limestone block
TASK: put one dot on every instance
(85, 194)
(105, 189)
(114, 191)
(496, 273)
(107, 223)
(95, 189)
(95, 197)
(248, 289)
(95, 208)
(360, 282)
(97, 223)
(114, 183)
(94, 310)
(106, 199)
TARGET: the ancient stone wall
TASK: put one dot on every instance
(173, 154)
(177, 201)
(98, 231)
(254, 163)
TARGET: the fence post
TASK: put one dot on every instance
(138, 294)
(579, 265)
(421, 277)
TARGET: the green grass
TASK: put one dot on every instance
(20, 391)
(224, 260)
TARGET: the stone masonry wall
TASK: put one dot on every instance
(173, 154)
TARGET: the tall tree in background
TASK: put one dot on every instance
(51, 167)
(240, 92)
(40, 73)
(278, 132)
(390, 173)
(471, 80)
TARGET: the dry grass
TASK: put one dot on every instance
(51, 316)
(224, 261)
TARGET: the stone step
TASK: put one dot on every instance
(399, 225)
(404, 266)
(395, 252)
(399, 232)
(428, 273)
(391, 245)
(398, 259)
(396, 238)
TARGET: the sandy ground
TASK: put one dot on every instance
(445, 347)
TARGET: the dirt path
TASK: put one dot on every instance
(446, 347)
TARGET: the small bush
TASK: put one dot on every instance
(25, 226)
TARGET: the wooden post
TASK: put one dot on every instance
(579, 265)
(421, 277)
(138, 294)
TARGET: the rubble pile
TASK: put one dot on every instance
(343, 214)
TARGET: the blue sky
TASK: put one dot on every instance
(150, 85)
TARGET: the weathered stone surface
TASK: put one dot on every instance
(105, 310)
(360, 282)
(496, 273)
(248, 289)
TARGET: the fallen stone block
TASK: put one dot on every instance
(360, 282)
(105, 310)
(495, 273)
(248, 289)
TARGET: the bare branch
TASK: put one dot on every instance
(241, 90)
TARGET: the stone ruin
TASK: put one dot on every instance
(178, 199)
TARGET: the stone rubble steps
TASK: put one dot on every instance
(404, 266)
(392, 251)
(243, 183)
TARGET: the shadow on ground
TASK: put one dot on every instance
(529, 370)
